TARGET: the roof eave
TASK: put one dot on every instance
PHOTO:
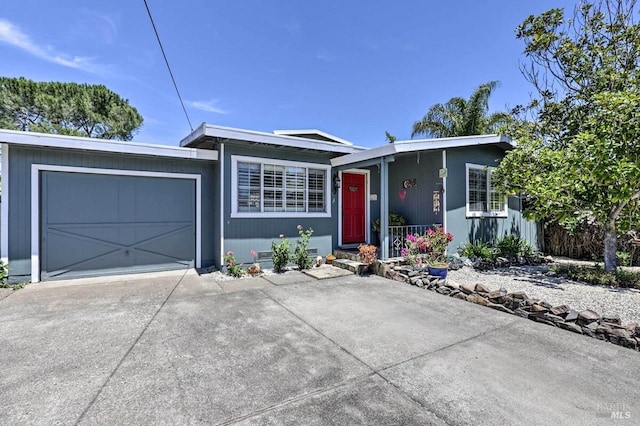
(14, 137)
(398, 147)
(229, 133)
(313, 131)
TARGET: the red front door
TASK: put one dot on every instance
(353, 208)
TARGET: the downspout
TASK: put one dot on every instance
(444, 191)
(384, 208)
(222, 183)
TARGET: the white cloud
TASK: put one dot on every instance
(207, 106)
(13, 36)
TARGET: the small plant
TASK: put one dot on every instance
(280, 253)
(514, 246)
(301, 251)
(4, 271)
(624, 258)
(394, 220)
(367, 254)
(477, 249)
(233, 268)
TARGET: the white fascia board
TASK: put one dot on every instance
(229, 133)
(381, 151)
(104, 145)
(457, 142)
(420, 145)
(312, 131)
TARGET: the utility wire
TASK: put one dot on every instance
(166, 61)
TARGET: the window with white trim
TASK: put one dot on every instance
(277, 188)
(482, 198)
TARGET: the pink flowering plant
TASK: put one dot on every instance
(233, 268)
(427, 248)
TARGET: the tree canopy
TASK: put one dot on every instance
(579, 146)
(461, 117)
(66, 108)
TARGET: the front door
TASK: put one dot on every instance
(353, 208)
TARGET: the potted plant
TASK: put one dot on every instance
(330, 258)
(428, 250)
(394, 220)
(367, 254)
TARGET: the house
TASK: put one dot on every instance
(75, 207)
(431, 182)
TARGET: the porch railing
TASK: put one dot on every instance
(397, 236)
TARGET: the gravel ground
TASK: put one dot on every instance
(536, 282)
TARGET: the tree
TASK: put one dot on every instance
(461, 117)
(389, 137)
(578, 157)
(66, 108)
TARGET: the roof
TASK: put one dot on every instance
(415, 145)
(207, 131)
(15, 137)
(313, 134)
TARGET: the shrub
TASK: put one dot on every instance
(513, 246)
(598, 276)
(280, 253)
(367, 254)
(233, 268)
(301, 251)
(477, 249)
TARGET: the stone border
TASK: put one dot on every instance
(587, 322)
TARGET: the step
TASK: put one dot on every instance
(350, 265)
(344, 254)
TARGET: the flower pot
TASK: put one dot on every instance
(330, 258)
(439, 271)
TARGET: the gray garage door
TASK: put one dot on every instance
(103, 224)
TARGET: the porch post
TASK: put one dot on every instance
(443, 203)
(384, 207)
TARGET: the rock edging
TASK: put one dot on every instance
(587, 322)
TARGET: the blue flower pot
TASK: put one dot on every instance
(438, 272)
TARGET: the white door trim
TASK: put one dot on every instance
(367, 202)
(35, 203)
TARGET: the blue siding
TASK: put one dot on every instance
(480, 229)
(415, 203)
(19, 193)
(241, 235)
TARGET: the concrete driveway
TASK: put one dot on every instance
(183, 349)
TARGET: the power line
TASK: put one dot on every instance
(166, 61)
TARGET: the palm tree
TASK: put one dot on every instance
(461, 117)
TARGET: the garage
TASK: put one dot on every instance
(97, 222)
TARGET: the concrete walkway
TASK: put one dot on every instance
(183, 349)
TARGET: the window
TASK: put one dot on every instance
(275, 188)
(482, 199)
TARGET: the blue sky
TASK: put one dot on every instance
(352, 68)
